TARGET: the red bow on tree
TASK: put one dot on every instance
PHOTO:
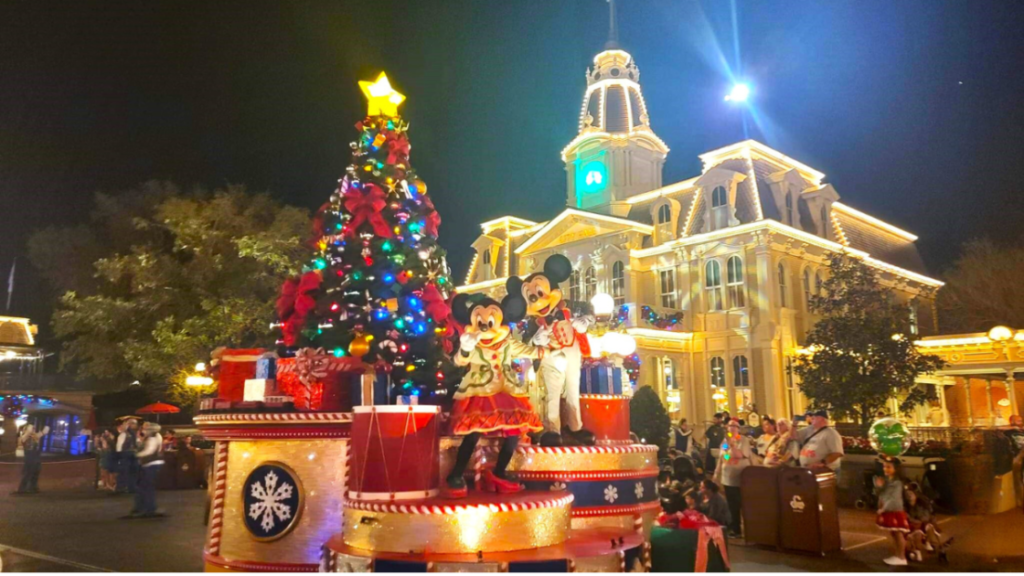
(432, 219)
(295, 304)
(366, 207)
(398, 150)
(434, 305)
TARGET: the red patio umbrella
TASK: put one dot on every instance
(158, 408)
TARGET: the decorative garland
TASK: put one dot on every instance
(393, 508)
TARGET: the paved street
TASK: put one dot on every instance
(79, 530)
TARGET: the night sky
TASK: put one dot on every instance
(914, 110)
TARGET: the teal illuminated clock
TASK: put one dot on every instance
(592, 177)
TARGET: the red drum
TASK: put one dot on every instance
(607, 417)
(395, 453)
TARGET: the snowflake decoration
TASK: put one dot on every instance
(558, 486)
(611, 494)
(269, 503)
(639, 491)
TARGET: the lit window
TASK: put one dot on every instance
(789, 208)
(741, 383)
(574, 286)
(719, 208)
(619, 283)
(664, 214)
(668, 374)
(734, 280)
(913, 318)
(713, 284)
(782, 285)
(590, 284)
(717, 372)
(807, 288)
(668, 288)
(664, 223)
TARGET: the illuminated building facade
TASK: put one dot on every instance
(738, 250)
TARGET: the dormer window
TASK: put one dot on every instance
(824, 221)
(664, 223)
(789, 208)
(487, 256)
(719, 208)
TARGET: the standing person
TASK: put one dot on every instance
(767, 437)
(683, 433)
(892, 516)
(714, 434)
(736, 454)
(103, 448)
(127, 465)
(712, 504)
(30, 442)
(151, 459)
(784, 448)
(821, 446)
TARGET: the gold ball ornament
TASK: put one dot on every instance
(417, 187)
(360, 345)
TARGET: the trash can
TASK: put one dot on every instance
(808, 516)
(760, 488)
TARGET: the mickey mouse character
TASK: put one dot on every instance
(540, 298)
(489, 400)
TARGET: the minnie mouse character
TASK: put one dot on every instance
(489, 399)
(541, 299)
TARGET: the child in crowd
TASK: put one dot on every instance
(892, 516)
(924, 535)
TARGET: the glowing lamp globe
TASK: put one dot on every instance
(1000, 334)
(889, 437)
(627, 345)
(603, 304)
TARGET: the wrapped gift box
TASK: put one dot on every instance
(257, 389)
(234, 367)
(266, 367)
(370, 388)
(601, 380)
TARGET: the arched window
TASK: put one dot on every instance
(717, 372)
(789, 208)
(487, 256)
(741, 383)
(668, 374)
(667, 283)
(734, 280)
(782, 285)
(713, 284)
(719, 208)
(574, 286)
(913, 318)
(807, 288)
(664, 214)
(719, 197)
(590, 284)
(818, 285)
(619, 283)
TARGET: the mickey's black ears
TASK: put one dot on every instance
(514, 285)
(462, 304)
(513, 307)
(557, 268)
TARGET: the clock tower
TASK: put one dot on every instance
(615, 155)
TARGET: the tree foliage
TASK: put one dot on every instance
(983, 289)
(649, 420)
(859, 355)
(158, 278)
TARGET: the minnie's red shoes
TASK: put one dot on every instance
(494, 484)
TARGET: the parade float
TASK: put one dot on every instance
(335, 448)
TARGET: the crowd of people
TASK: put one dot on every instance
(711, 476)
(130, 462)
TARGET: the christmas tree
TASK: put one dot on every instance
(377, 287)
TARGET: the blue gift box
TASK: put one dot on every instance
(601, 380)
(370, 388)
(266, 368)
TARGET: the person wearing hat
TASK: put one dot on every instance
(151, 459)
(127, 465)
(821, 446)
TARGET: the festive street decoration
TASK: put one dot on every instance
(376, 289)
(648, 315)
(889, 437)
(273, 501)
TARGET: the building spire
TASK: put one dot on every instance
(613, 28)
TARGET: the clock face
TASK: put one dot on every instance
(592, 177)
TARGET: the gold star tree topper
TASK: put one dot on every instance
(381, 97)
